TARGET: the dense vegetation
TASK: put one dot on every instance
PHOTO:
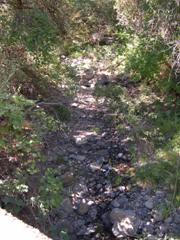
(145, 58)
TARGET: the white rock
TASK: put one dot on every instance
(125, 223)
(120, 155)
(95, 166)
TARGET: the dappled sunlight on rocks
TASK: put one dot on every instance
(101, 193)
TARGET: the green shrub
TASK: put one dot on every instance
(154, 53)
(145, 60)
(36, 32)
(50, 190)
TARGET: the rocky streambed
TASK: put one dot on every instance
(99, 200)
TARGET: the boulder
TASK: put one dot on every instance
(125, 223)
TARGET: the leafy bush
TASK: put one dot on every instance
(166, 170)
(156, 54)
(154, 17)
(147, 61)
(50, 190)
(35, 31)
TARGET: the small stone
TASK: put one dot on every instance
(80, 141)
(120, 202)
(90, 202)
(74, 104)
(163, 229)
(149, 204)
(95, 166)
(150, 237)
(149, 228)
(120, 155)
(115, 203)
(83, 208)
(122, 188)
(80, 189)
(107, 167)
(160, 193)
(158, 217)
(90, 229)
(80, 157)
